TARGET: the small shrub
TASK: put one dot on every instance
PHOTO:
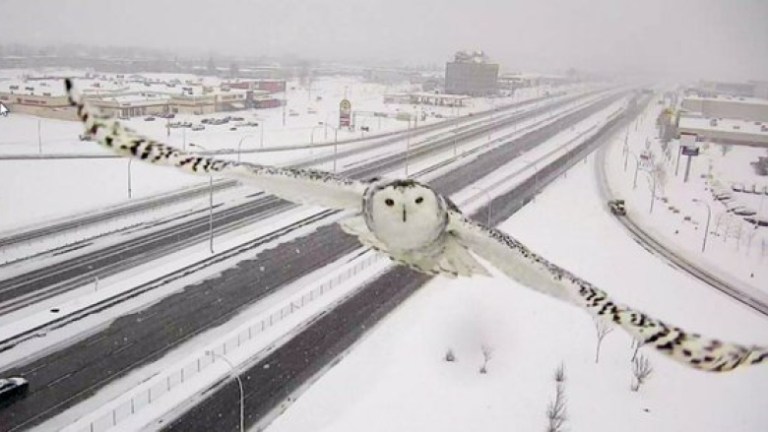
(641, 369)
(449, 356)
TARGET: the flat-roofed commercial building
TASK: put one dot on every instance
(743, 108)
(471, 74)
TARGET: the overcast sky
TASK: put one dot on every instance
(692, 38)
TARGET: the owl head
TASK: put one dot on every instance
(404, 214)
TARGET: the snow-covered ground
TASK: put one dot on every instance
(58, 182)
(192, 346)
(396, 378)
(735, 249)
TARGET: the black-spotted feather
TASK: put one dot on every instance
(304, 186)
(520, 263)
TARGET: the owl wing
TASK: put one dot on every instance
(523, 265)
(303, 186)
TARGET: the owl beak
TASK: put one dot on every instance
(404, 216)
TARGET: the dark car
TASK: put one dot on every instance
(150, 118)
(12, 388)
(617, 207)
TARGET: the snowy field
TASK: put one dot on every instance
(59, 185)
(396, 378)
(118, 394)
(735, 249)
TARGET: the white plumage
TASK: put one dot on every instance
(418, 227)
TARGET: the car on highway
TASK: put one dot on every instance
(12, 388)
(617, 207)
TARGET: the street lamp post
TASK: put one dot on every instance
(129, 178)
(215, 355)
(706, 230)
(312, 134)
(637, 168)
(39, 138)
(652, 177)
(210, 203)
(261, 131)
(407, 149)
(335, 143)
(455, 133)
(240, 143)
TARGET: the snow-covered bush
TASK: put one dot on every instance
(556, 411)
(641, 369)
(602, 328)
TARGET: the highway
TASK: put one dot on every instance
(268, 389)
(656, 247)
(154, 202)
(38, 284)
(60, 379)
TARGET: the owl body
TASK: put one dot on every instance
(420, 228)
(409, 221)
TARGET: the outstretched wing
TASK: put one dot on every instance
(303, 186)
(521, 264)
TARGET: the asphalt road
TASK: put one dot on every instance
(186, 194)
(63, 378)
(27, 288)
(291, 365)
(647, 241)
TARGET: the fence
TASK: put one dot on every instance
(165, 382)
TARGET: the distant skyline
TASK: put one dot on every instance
(688, 39)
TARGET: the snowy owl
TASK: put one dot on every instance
(418, 227)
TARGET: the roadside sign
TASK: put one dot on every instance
(345, 113)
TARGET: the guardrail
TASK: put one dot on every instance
(158, 387)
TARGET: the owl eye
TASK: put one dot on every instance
(389, 202)
(419, 200)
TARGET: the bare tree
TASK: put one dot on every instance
(556, 411)
(602, 328)
(487, 354)
(449, 356)
(641, 369)
(560, 374)
(636, 344)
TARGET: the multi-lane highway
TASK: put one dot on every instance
(38, 284)
(268, 389)
(73, 373)
(752, 300)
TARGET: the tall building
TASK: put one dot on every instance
(470, 73)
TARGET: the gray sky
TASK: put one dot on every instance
(691, 38)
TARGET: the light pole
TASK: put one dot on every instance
(261, 131)
(214, 355)
(407, 149)
(637, 168)
(210, 203)
(129, 178)
(240, 143)
(490, 202)
(455, 133)
(312, 134)
(335, 143)
(706, 230)
(625, 149)
(652, 177)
